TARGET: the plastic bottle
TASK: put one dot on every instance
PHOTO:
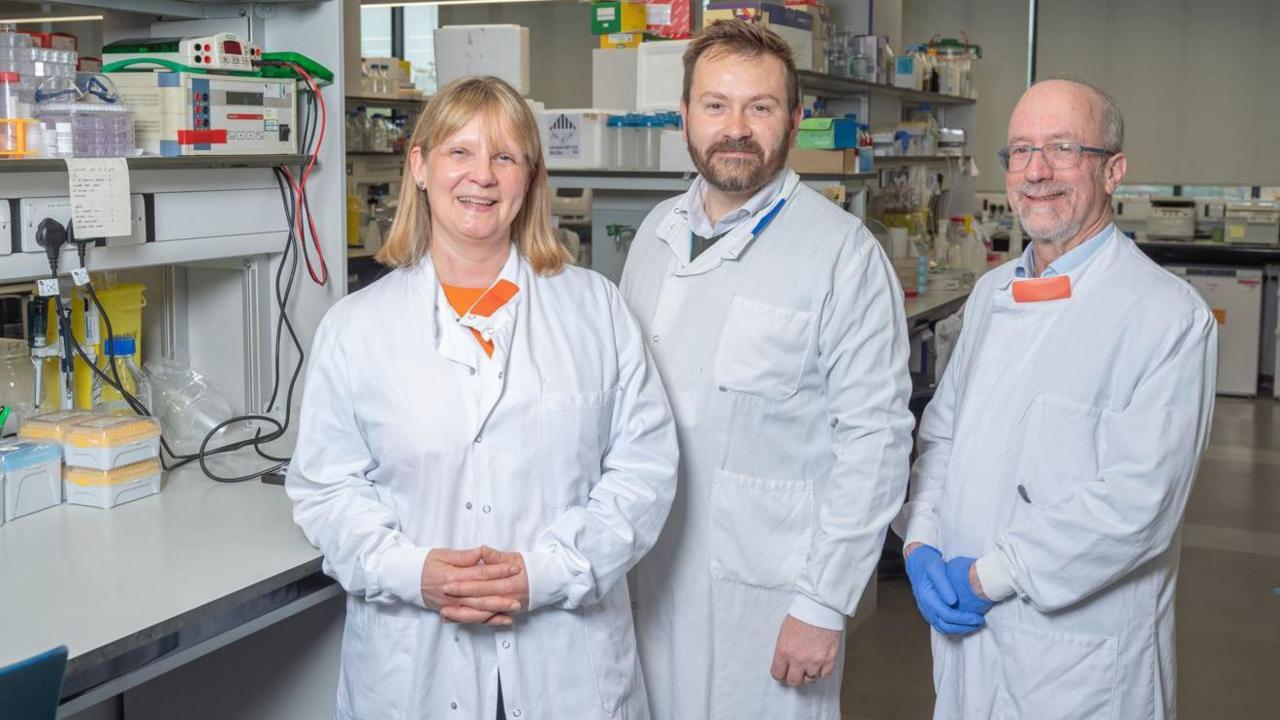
(121, 350)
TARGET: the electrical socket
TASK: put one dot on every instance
(32, 210)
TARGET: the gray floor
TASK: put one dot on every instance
(1228, 593)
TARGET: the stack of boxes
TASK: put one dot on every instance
(792, 24)
(110, 459)
(619, 23)
(625, 23)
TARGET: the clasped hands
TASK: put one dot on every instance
(479, 586)
(948, 593)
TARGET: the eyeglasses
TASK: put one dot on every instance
(1059, 155)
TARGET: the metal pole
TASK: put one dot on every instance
(1033, 12)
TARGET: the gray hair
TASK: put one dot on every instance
(1110, 121)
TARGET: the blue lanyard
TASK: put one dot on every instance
(762, 223)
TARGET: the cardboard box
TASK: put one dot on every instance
(621, 41)
(618, 16)
(823, 162)
(498, 50)
(671, 19)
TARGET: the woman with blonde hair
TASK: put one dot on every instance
(485, 448)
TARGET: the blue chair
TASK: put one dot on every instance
(30, 689)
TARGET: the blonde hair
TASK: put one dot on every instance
(505, 113)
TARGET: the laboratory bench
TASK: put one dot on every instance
(1182, 252)
(142, 588)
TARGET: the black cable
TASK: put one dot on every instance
(290, 201)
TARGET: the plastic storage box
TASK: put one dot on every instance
(108, 488)
(574, 139)
(51, 426)
(106, 442)
(32, 470)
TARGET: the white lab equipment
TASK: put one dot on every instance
(1171, 217)
(571, 205)
(1078, 536)
(498, 50)
(106, 442)
(1256, 222)
(108, 488)
(220, 52)
(1235, 295)
(183, 113)
(32, 476)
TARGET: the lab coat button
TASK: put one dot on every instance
(471, 370)
(468, 506)
(479, 439)
(515, 713)
(656, 338)
(500, 374)
(453, 705)
(505, 644)
(634, 606)
(485, 508)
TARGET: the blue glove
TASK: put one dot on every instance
(958, 574)
(935, 597)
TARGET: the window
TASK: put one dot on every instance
(375, 32)
(420, 23)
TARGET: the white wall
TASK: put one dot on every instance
(1198, 83)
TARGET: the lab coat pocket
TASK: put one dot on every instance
(611, 645)
(1058, 450)
(377, 663)
(573, 436)
(1050, 675)
(761, 529)
(763, 349)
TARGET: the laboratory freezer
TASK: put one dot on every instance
(1235, 296)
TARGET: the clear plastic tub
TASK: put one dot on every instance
(51, 426)
(87, 116)
(108, 488)
(32, 470)
(106, 442)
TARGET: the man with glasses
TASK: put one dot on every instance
(1061, 446)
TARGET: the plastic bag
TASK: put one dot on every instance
(188, 407)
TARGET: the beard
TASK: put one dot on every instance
(1045, 225)
(740, 175)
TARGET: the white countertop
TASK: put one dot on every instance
(85, 577)
(931, 300)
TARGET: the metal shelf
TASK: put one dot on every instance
(661, 181)
(372, 153)
(834, 86)
(193, 162)
(382, 102)
(28, 266)
(185, 9)
(888, 161)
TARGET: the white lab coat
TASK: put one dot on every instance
(560, 446)
(1099, 407)
(785, 358)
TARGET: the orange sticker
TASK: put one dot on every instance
(1057, 287)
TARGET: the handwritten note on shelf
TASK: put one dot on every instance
(99, 190)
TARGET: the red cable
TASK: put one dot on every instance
(300, 187)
